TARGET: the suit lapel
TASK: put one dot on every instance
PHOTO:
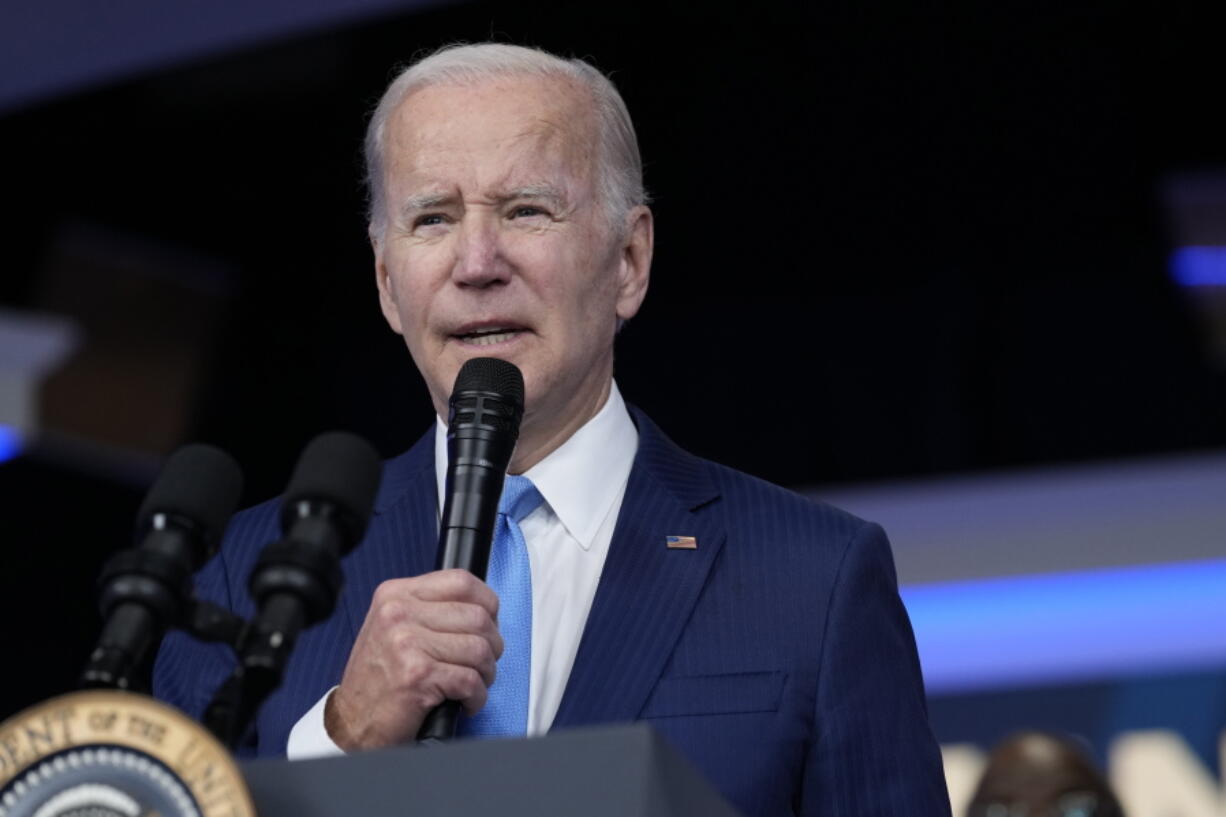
(647, 590)
(403, 533)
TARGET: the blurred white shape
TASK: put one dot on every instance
(964, 764)
(1155, 773)
(1050, 519)
(31, 346)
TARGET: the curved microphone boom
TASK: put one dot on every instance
(485, 410)
(147, 590)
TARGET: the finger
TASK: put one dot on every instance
(475, 701)
(455, 617)
(471, 651)
(462, 684)
(455, 585)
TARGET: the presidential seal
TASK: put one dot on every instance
(115, 754)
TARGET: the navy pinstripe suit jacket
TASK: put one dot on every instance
(777, 655)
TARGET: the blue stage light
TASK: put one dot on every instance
(1199, 266)
(1069, 627)
(10, 443)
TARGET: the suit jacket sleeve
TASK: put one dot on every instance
(872, 751)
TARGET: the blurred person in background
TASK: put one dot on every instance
(1042, 774)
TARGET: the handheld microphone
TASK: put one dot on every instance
(146, 590)
(296, 581)
(485, 410)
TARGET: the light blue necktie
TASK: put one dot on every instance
(510, 576)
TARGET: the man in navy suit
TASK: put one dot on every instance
(760, 632)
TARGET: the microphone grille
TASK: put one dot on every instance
(488, 392)
(339, 467)
(492, 375)
(199, 482)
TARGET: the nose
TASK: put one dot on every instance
(479, 261)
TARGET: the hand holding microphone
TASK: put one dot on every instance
(430, 643)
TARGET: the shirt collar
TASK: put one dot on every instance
(582, 478)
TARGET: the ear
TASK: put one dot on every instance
(387, 290)
(634, 262)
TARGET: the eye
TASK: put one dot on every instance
(526, 211)
(429, 220)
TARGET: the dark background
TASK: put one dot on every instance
(893, 240)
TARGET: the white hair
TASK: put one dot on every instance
(620, 183)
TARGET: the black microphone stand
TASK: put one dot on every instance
(148, 590)
(296, 584)
(297, 580)
(145, 591)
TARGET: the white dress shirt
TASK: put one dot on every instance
(568, 535)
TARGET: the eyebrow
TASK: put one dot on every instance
(535, 191)
(427, 201)
(424, 201)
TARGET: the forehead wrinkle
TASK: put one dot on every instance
(532, 157)
(550, 147)
(429, 137)
(554, 148)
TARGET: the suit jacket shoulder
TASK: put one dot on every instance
(793, 680)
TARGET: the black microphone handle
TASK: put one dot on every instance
(476, 471)
(440, 724)
(469, 549)
(265, 650)
(476, 468)
(485, 411)
(127, 634)
(144, 592)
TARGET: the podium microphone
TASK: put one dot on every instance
(296, 581)
(485, 410)
(146, 590)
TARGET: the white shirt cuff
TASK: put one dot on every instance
(309, 737)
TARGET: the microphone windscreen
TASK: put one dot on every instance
(492, 375)
(199, 482)
(338, 467)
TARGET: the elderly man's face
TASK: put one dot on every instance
(498, 245)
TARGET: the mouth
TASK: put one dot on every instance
(488, 335)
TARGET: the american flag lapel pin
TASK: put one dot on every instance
(681, 542)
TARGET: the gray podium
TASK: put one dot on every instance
(621, 771)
